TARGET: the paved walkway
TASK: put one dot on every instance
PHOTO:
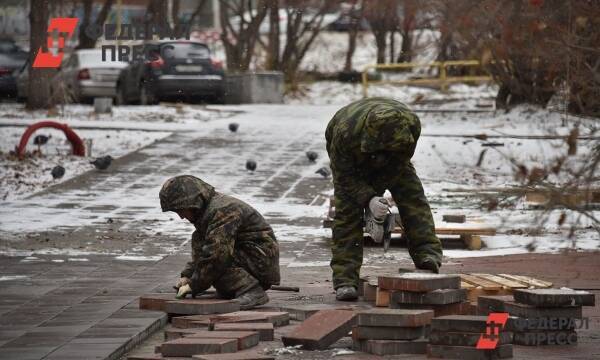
(70, 290)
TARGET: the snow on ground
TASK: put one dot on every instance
(20, 178)
(275, 134)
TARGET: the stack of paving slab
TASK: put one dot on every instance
(438, 292)
(543, 316)
(456, 337)
(211, 329)
(391, 331)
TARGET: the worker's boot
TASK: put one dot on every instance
(346, 293)
(430, 265)
(256, 296)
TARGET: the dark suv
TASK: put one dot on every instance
(172, 69)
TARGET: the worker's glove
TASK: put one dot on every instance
(374, 227)
(184, 280)
(379, 207)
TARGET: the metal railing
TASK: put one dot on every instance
(443, 80)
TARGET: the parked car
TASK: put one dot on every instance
(84, 76)
(12, 59)
(172, 69)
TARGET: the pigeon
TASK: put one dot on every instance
(312, 156)
(233, 127)
(324, 171)
(57, 172)
(251, 165)
(40, 140)
(102, 163)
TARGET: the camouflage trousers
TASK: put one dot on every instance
(417, 220)
(248, 267)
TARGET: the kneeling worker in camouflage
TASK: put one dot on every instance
(370, 143)
(233, 247)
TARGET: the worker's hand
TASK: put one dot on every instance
(379, 207)
(183, 291)
(183, 281)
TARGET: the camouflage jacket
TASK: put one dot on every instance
(362, 131)
(225, 226)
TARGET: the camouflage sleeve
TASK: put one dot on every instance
(218, 245)
(346, 179)
(188, 271)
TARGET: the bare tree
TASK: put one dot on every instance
(240, 36)
(302, 29)
(273, 45)
(85, 40)
(356, 14)
(382, 16)
(38, 91)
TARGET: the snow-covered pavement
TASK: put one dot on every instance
(117, 211)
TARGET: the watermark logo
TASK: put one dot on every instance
(65, 28)
(494, 324)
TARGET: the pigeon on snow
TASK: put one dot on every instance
(102, 163)
(251, 165)
(312, 156)
(57, 172)
(324, 172)
(233, 127)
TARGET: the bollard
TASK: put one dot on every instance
(103, 105)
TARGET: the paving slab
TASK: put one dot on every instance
(554, 297)
(464, 323)
(437, 337)
(396, 347)
(394, 317)
(545, 337)
(492, 303)
(277, 318)
(201, 306)
(240, 355)
(530, 311)
(461, 308)
(303, 312)
(245, 339)
(387, 333)
(265, 330)
(435, 297)
(191, 321)
(192, 346)
(418, 282)
(469, 353)
(156, 302)
(321, 330)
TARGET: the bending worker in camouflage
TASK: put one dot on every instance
(233, 247)
(370, 143)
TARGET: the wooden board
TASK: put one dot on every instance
(529, 281)
(506, 283)
(480, 283)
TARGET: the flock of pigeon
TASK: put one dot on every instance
(311, 155)
(103, 162)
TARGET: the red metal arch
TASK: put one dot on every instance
(76, 142)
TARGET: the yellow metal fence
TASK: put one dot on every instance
(442, 80)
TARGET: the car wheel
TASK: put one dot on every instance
(120, 98)
(147, 96)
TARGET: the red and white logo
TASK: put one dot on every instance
(65, 28)
(495, 323)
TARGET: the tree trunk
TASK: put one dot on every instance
(392, 46)
(273, 45)
(351, 49)
(38, 91)
(381, 46)
(85, 41)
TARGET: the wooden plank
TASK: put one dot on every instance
(382, 298)
(529, 281)
(466, 285)
(506, 283)
(480, 282)
(474, 293)
(473, 242)
(459, 231)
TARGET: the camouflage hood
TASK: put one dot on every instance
(185, 192)
(390, 128)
